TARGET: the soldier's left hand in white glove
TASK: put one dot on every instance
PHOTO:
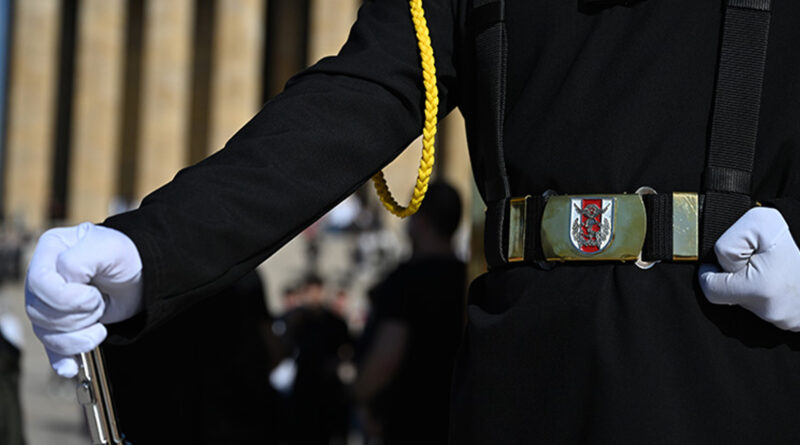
(760, 269)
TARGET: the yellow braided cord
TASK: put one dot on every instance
(428, 132)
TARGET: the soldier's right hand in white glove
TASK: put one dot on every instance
(760, 269)
(79, 278)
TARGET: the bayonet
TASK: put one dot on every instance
(94, 394)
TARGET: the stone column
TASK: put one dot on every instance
(97, 109)
(31, 104)
(330, 24)
(165, 92)
(5, 10)
(236, 78)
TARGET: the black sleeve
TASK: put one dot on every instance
(790, 210)
(334, 125)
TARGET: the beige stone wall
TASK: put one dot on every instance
(329, 25)
(456, 169)
(165, 92)
(236, 74)
(97, 109)
(31, 101)
(235, 82)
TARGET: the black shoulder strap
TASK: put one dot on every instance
(734, 123)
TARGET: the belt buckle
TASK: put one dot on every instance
(601, 227)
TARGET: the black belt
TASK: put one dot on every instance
(642, 227)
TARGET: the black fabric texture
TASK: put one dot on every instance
(485, 16)
(790, 210)
(203, 378)
(491, 52)
(729, 180)
(738, 97)
(495, 240)
(734, 124)
(720, 210)
(601, 102)
(761, 5)
(606, 3)
(658, 239)
(533, 232)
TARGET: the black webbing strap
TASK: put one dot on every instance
(533, 237)
(658, 238)
(734, 127)
(491, 52)
(734, 124)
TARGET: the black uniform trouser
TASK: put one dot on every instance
(591, 353)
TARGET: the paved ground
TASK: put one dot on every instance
(51, 413)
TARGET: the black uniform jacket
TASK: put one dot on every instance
(598, 101)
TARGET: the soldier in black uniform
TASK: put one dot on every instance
(595, 99)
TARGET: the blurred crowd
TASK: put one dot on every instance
(12, 241)
(231, 371)
(318, 370)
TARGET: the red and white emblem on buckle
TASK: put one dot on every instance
(592, 224)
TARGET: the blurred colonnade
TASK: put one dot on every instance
(105, 100)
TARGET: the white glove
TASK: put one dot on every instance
(80, 277)
(760, 269)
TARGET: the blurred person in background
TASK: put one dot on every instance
(203, 378)
(291, 296)
(11, 427)
(316, 343)
(413, 331)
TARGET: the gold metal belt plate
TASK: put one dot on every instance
(601, 227)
